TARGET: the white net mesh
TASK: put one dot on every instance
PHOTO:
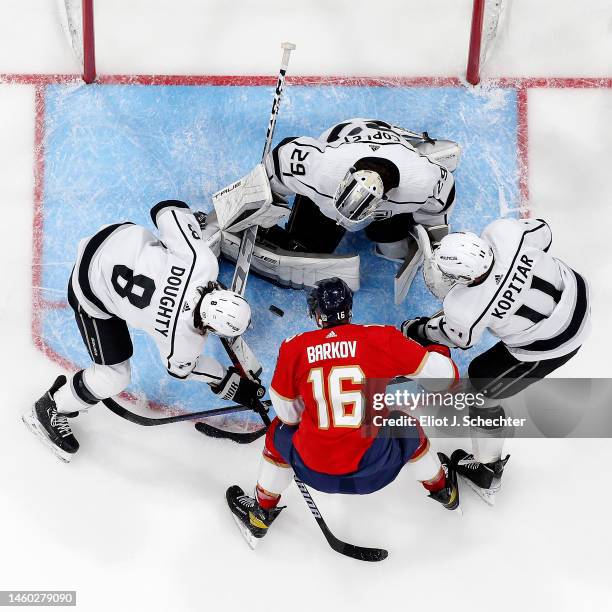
(71, 19)
(493, 27)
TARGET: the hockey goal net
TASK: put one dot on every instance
(77, 18)
(489, 18)
(488, 21)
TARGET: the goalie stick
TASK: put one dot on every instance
(247, 242)
(245, 253)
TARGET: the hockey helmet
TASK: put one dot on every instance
(357, 198)
(463, 257)
(224, 312)
(330, 302)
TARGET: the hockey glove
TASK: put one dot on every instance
(415, 330)
(238, 389)
(200, 218)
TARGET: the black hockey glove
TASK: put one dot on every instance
(200, 218)
(241, 390)
(415, 330)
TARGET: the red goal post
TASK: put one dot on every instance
(77, 17)
(487, 16)
(78, 20)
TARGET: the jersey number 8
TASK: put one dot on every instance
(137, 289)
(338, 399)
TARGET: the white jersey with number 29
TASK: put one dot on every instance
(314, 167)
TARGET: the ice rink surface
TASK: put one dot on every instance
(123, 148)
(138, 521)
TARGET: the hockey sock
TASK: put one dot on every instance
(266, 499)
(488, 441)
(73, 396)
(437, 483)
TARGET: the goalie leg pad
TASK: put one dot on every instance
(393, 251)
(405, 275)
(293, 269)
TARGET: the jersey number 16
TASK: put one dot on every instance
(338, 399)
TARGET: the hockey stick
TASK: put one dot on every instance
(138, 419)
(234, 436)
(361, 553)
(243, 262)
(258, 406)
(247, 242)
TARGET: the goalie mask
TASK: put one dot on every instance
(463, 257)
(357, 198)
(223, 312)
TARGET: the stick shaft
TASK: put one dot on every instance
(138, 419)
(280, 84)
(247, 242)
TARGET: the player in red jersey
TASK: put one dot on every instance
(325, 430)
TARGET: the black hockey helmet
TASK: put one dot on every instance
(330, 302)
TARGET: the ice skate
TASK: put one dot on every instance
(449, 495)
(52, 427)
(252, 520)
(483, 478)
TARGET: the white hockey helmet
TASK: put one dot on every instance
(463, 257)
(225, 312)
(357, 198)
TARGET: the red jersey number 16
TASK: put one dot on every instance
(345, 407)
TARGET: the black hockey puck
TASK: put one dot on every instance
(276, 310)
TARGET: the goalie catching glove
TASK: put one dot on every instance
(238, 389)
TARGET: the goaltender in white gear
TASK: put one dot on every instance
(358, 174)
(315, 167)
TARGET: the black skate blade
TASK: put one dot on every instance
(250, 539)
(31, 422)
(234, 436)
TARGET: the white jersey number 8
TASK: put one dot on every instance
(337, 398)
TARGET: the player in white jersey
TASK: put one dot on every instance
(360, 174)
(125, 276)
(507, 282)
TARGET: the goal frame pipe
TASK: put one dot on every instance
(89, 44)
(473, 65)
